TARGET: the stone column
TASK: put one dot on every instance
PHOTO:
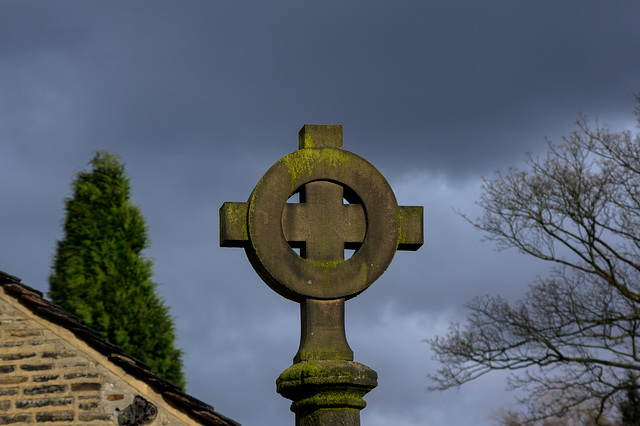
(324, 383)
(327, 392)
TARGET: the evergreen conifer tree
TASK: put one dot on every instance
(100, 274)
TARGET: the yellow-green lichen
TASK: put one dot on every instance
(303, 163)
(326, 266)
(364, 272)
(299, 166)
(236, 219)
(402, 228)
(319, 387)
(308, 141)
(325, 368)
(336, 158)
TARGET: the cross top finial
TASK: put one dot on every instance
(320, 136)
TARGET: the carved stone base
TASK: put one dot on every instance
(327, 392)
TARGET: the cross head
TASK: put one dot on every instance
(321, 226)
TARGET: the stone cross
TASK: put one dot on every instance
(321, 227)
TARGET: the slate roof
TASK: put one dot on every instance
(34, 300)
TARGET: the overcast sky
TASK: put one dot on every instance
(200, 98)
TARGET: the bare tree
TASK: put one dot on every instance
(573, 340)
(583, 415)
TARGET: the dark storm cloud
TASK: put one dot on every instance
(455, 83)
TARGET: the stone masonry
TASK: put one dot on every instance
(49, 375)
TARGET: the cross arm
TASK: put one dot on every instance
(411, 228)
(233, 224)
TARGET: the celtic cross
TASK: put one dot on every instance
(321, 226)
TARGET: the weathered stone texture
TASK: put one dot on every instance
(79, 387)
(12, 380)
(16, 418)
(54, 416)
(36, 367)
(12, 357)
(49, 376)
(45, 378)
(39, 390)
(92, 417)
(44, 402)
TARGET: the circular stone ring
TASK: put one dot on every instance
(280, 266)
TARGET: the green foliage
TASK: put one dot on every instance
(101, 275)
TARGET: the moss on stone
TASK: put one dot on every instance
(318, 385)
(308, 141)
(236, 218)
(303, 163)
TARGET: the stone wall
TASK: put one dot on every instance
(48, 375)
